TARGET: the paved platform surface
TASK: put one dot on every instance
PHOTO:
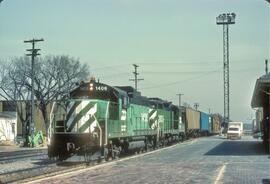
(205, 160)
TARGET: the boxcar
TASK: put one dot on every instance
(192, 118)
(216, 125)
(205, 126)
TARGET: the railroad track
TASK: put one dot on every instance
(48, 167)
(8, 157)
(51, 168)
(103, 164)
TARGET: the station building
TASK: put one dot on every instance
(261, 99)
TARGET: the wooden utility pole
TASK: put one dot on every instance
(196, 105)
(136, 76)
(33, 54)
(179, 95)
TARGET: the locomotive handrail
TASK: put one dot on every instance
(106, 124)
(50, 125)
(100, 137)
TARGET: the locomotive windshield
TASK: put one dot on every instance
(94, 90)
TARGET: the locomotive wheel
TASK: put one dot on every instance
(146, 148)
(50, 153)
(116, 152)
(106, 154)
(87, 157)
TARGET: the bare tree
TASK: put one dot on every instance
(13, 77)
(54, 77)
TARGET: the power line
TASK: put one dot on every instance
(113, 75)
(181, 81)
(194, 72)
(203, 62)
(237, 71)
(175, 72)
(173, 63)
(109, 66)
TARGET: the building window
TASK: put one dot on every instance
(9, 106)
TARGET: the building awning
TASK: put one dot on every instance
(261, 92)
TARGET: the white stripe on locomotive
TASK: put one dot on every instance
(73, 115)
(87, 116)
(82, 120)
(154, 117)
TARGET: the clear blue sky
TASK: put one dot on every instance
(176, 43)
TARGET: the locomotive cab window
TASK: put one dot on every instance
(114, 111)
(125, 102)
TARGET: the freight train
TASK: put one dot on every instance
(98, 118)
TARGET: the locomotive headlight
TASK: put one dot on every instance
(91, 86)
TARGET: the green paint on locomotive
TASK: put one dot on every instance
(87, 114)
(132, 121)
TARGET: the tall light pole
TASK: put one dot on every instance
(225, 19)
(33, 54)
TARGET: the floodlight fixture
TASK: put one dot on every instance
(226, 18)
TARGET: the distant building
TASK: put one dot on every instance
(260, 99)
(8, 109)
(8, 124)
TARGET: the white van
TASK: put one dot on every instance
(235, 130)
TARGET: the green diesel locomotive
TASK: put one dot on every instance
(98, 118)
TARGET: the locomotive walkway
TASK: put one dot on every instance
(205, 160)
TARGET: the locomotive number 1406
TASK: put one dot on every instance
(101, 88)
